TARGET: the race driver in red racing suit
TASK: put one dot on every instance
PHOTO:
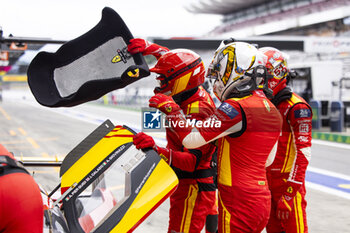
(181, 72)
(21, 206)
(247, 129)
(286, 175)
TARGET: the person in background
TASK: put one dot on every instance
(181, 74)
(21, 205)
(247, 133)
(286, 175)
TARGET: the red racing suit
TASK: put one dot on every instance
(247, 130)
(291, 161)
(195, 195)
(21, 206)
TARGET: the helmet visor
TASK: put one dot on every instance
(163, 83)
(213, 71)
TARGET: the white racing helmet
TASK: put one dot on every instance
(232, 68)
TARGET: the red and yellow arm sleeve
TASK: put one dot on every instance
(300, 120)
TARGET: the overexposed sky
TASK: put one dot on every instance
(68, 19)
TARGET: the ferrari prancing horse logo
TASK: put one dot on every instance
(119, 57)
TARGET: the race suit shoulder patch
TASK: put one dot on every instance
(302, 113)
(229, 110)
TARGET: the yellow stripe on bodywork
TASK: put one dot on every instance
(158, 185)
(181, 83)
(225, 164)
(299, 217)
(94, 156)
(188, 208)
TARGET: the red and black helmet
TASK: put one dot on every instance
(179, 70)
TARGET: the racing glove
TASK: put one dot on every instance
(285, 203)
(145, 47)
(165, 104)
(142, 141)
